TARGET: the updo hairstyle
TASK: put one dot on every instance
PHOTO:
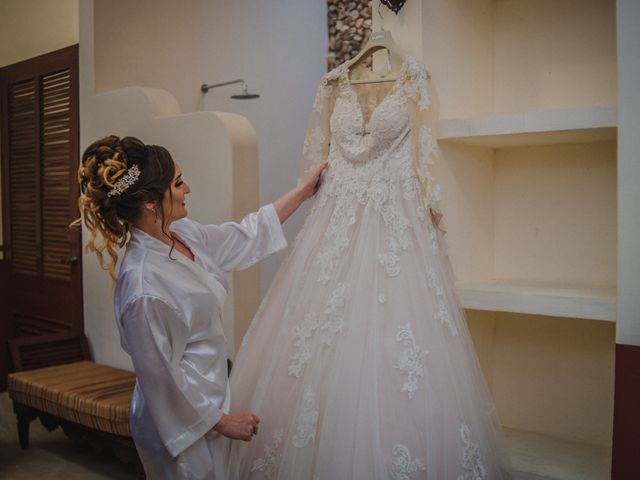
(111, 216)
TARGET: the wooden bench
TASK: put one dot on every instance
(54, 379)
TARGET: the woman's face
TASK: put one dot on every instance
(174, 199)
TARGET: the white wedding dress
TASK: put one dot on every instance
(359, 361)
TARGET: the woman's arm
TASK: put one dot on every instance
(155, 336)
(287, 204)
(236, 246)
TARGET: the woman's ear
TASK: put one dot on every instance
(149, 207)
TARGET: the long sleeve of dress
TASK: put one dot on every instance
(425, 146)
(236, 246)
(155, 336)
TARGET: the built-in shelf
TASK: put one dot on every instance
(540, 298)
(571, 125)
(536, 456)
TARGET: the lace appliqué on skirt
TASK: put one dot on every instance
(403, 466)
(307, 420)
(471, 458)
(333, 324)
(269, 463)
(411, 360)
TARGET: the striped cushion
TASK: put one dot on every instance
(96, 396)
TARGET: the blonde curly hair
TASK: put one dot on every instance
(109, 218)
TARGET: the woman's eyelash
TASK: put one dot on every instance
(178, 183)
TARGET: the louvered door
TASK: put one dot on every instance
(39, 165)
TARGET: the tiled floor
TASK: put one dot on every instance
(51, 455)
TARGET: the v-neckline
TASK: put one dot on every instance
(356, 98)
(160, 242)
(186, 245)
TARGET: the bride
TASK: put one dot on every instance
(359, 361)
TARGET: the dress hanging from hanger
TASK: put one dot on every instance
(359, 361)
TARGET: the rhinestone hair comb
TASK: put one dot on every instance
(125, 181)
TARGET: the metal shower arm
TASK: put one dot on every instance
(205, 88)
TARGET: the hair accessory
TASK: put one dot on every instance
(125, 181)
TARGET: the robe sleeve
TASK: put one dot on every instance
(236, 246)
(155, 336)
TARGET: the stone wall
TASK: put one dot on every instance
(349, 29)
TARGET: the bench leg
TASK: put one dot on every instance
(24, 415)
(23, 433)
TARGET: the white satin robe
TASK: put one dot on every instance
(169, 313)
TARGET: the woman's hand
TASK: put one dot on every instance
(436, 218)
(238, 426)
(310, 184)
(289, 202)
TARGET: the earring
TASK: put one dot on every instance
(155, 214)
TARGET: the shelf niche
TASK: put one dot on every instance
(541, 298)
(569, 125)
(525, 93)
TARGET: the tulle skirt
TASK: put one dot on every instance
(359, 362)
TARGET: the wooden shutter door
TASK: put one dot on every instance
(39, 164)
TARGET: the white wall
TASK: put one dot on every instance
(628, 326)
(278, 46)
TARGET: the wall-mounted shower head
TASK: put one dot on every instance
(245, 95)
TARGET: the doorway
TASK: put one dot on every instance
(40, 157)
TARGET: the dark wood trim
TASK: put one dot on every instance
(17, 345)
(23, 71)
(4, 264)
(34, 68)
(31, 67)
(4, 165)
(626, 416)
(38, 172)
(4, 322)
(75, 233)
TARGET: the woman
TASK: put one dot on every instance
(169, 295)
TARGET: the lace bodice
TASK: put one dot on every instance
(357, 139)
(380, 156)
(362, 134)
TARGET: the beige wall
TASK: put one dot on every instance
(548, 375)
(507, 56)
(277, 46)
(545, 212)
(553, 54)
(555, 213)
(29, 28)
